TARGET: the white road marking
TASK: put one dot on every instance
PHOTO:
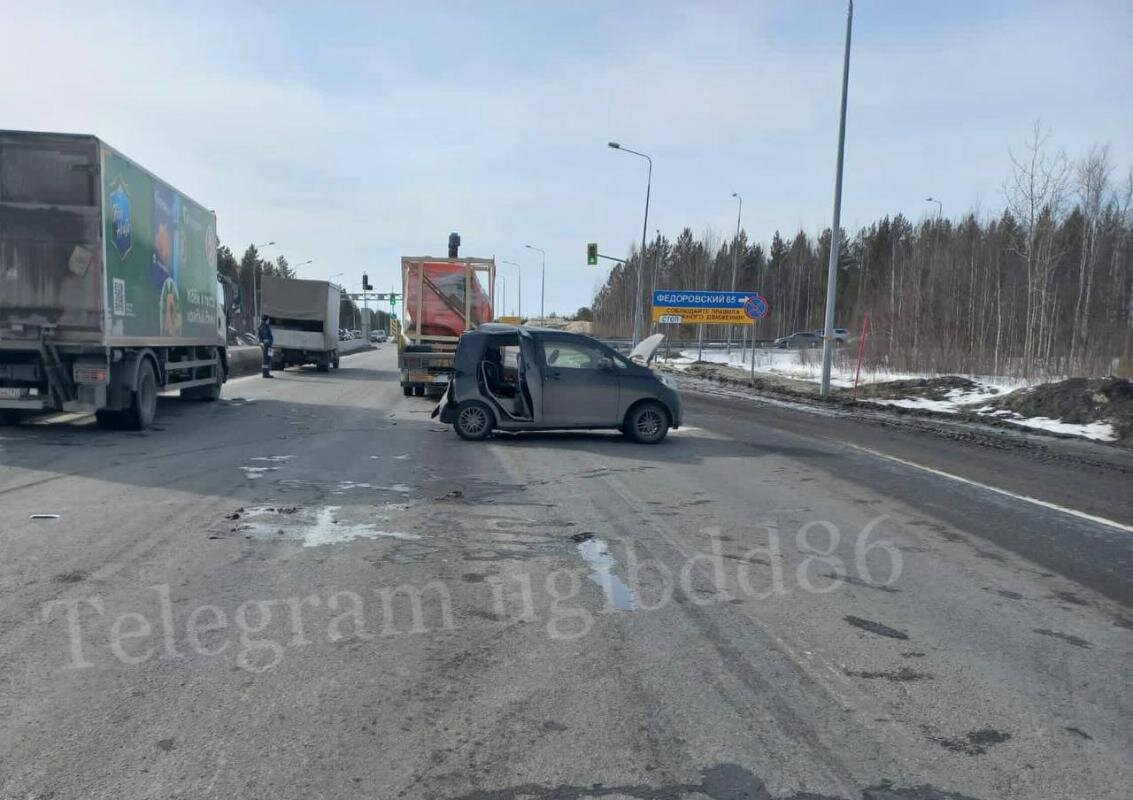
(1015, 496)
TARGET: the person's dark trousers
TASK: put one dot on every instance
(267, 359)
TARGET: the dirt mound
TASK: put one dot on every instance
(1079, 401)
(943, 387)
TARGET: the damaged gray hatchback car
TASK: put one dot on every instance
(512, 378)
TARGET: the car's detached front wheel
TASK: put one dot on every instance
(474, 420)
(647, 423)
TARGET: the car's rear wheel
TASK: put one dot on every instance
(647, 423)
(473, 421)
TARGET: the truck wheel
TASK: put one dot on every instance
(647, 423)
(10, 417)
(211, 393)
(335, 362)
(418, 390)
(143, 409)
(323, 364)
(407, 390)
(474, 420)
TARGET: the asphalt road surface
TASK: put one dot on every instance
(312, 590)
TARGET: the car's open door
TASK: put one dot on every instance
(531, 377)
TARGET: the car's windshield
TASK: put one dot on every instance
(665, 400)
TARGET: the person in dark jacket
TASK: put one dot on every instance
(266, 341)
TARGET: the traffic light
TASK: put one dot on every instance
(366, 287)
(592, 254)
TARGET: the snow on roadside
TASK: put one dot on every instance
(955, 401)
(1098, 431)
(806, 366)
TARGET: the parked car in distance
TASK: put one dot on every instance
(520, 379)
(840, 334)
(800, 339)
(356, 334)
(378, 336)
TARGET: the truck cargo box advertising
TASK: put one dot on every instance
(160, 257)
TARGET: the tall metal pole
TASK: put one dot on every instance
(835, 227)
(255, 288)
(519, 294)
(543, 283)
(735, 249)
(653, 280)
(637, 312)
(644, 227)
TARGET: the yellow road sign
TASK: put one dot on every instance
(698, 316)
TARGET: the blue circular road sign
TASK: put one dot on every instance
(755, 307)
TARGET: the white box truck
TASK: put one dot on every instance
(303, 315)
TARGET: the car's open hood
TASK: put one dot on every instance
(643, 353)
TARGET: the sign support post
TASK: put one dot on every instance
(753, 322)
(755, 309)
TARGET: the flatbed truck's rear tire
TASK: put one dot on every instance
(418, 390)
(407, 389)
(10, 417)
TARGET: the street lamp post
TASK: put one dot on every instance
(542, 283)
(836, 223)
(519, 291)
(735, 252)
(939, 206)
(644, 226)
(653, 280)
(255, 288)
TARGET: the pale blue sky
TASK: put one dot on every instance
(354, 133)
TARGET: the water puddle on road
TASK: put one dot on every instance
(596, 553)
(311, 526)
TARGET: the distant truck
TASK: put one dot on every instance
(108, 284)
(304, 321)
(443, 298)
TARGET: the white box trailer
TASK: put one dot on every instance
(303, 315)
